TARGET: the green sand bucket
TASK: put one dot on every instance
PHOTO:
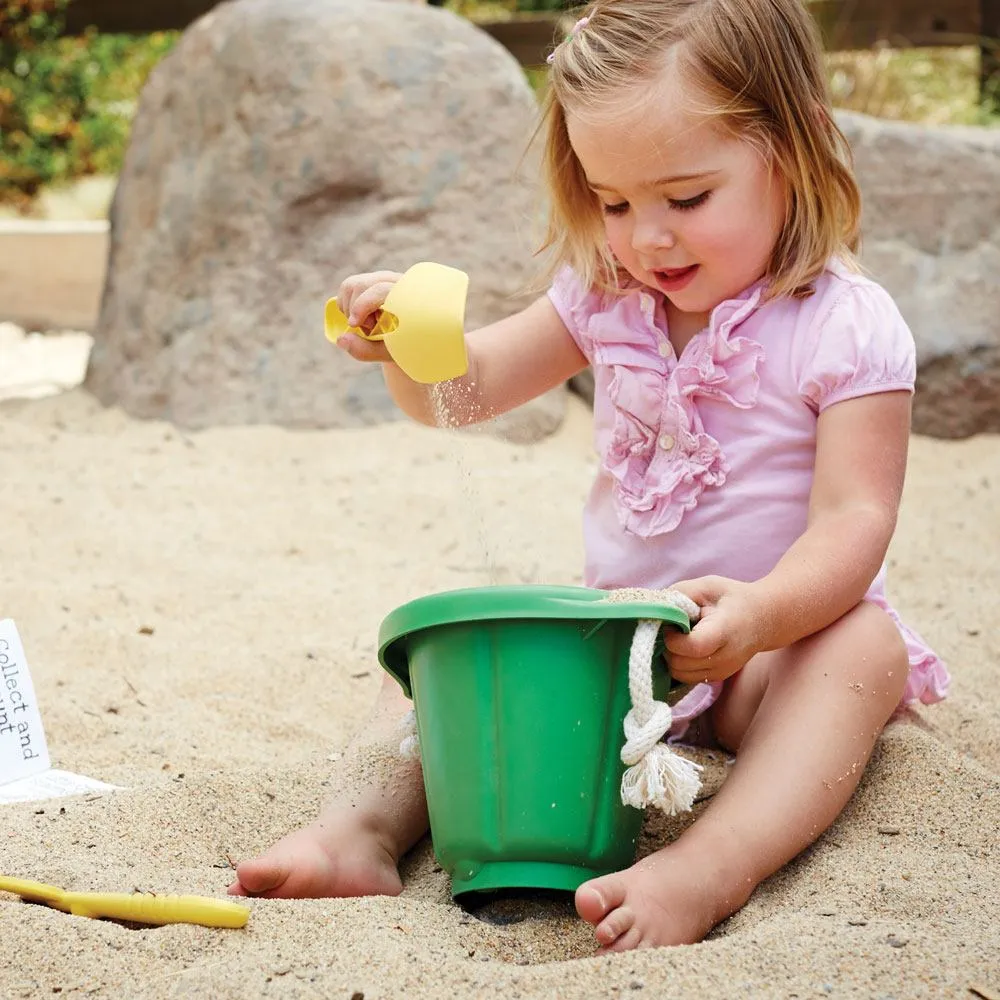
(520, 694)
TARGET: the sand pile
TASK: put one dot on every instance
(200, 614)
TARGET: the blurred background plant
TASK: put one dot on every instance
(66, 103)
(931, 86)
(491, 8)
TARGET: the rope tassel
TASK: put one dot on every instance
(656, 774)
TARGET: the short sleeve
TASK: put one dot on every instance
(576, 303)
(859, 346)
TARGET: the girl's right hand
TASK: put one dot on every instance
(729, 632)
(360, 298)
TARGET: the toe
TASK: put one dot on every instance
(629, 941)
(259, 875)
(617, 923)
(598, 897)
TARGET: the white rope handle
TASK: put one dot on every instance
(656, 774)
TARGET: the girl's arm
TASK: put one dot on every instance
(510, 362)
(860, 463)
(861, 448)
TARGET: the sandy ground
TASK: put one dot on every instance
(200, 612)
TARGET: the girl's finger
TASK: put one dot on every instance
(365, 305)
(687, 670)
(361, 349)
(706, 638)
(681, 644)
(704, 590)
(695, 669)
(352, 288)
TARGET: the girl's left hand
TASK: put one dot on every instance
(729, 632)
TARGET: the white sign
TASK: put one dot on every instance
(51, 784)
(22, 739)
(25, 774)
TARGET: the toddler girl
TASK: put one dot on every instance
(752, 413)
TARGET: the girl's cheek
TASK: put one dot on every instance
(619, 237)
(712, 231)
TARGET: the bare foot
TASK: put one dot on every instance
(675, 896)
(337, 855)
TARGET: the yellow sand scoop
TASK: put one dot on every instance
(136, 907)
(421, 322)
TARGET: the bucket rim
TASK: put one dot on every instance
(507, 603)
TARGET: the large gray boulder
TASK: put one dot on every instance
(280, 147)
(932, 237)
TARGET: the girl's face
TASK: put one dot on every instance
(689, 210)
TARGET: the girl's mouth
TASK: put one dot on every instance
(673, 279)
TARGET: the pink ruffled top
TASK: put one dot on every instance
(707, 459)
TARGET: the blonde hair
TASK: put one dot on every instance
(759, 62)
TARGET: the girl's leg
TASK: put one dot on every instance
(377, 814)
(804, 721)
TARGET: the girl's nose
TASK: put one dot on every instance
(651, 236)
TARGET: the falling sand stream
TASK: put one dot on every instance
(473, 513)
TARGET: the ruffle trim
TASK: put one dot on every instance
(928, 680)
(659, 455)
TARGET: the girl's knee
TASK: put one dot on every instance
(863, 649)
(872, 650)
(877, 632)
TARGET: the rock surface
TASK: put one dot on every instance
(279, 148)
(932, 237)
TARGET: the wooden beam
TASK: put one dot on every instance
(132, 17)
(861, 24)
(529, 39)
(845, 24)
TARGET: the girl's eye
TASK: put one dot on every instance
(686, 204)
(620, 209)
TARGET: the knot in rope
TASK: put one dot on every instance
(656, 774)
(640, 737)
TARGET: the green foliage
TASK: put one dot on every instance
(65, 103)
(483, 9)
(41, 99)
(930, 86)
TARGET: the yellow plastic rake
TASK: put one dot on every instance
(136, 907)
